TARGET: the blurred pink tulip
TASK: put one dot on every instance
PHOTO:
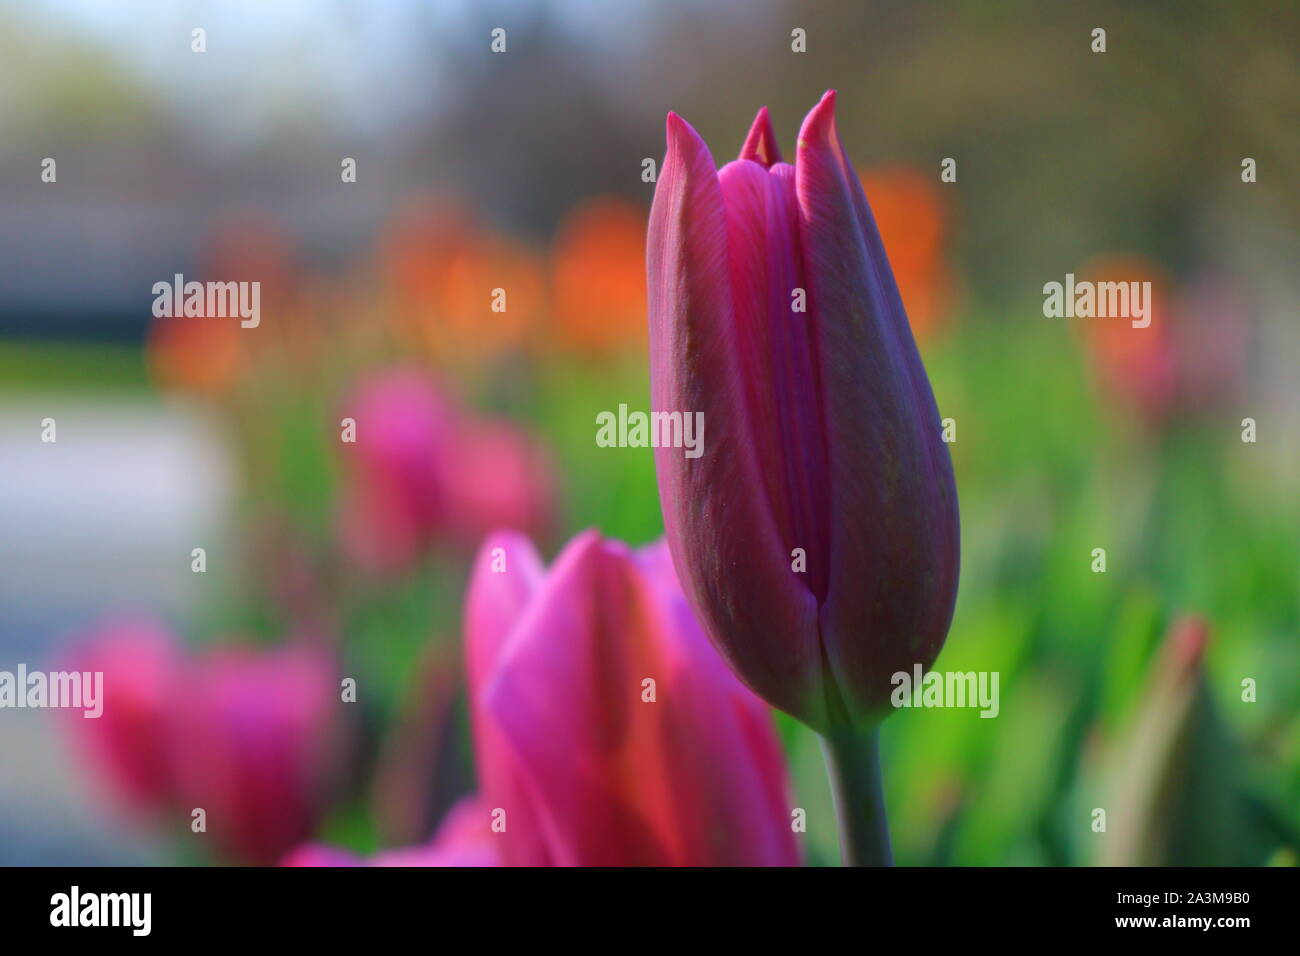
(500, 480)
(421, 472)
(249, 736)
(463, 839)
(127, 743)
(254, 743)
(607, 729)
(399, 465)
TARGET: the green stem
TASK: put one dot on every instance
(853, 765)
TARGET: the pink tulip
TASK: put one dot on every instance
(817, 535)
(254, 741)
(607, 729)
(248, 736)
(422, 472)
(501, 480)
(127, 743)
(398, 498)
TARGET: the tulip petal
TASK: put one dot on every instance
(774, 342)
(893, 515)
(716, 514)
(506, 572)
(495, 603)
(559, 698)
(704, 700)
(760, 145)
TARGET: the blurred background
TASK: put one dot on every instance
(523, 171)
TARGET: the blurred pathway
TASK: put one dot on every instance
(102, 520)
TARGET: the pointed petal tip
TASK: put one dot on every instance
(819, 124)
(677, 129)
(505, 539)
(586, 542)
(686, 152)
(760, 145)
(682, 137)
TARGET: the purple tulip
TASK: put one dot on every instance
(817, 535)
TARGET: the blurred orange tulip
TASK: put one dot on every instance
(444, 270)
(205, 354)
(253, 247)
(189, 354)
(598, 276)
(1133, 365)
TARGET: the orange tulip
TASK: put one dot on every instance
(598, 276)
(1135, 366)
(443, 270)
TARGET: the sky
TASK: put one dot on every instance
(363, 65)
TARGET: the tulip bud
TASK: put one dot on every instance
(817, 536)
